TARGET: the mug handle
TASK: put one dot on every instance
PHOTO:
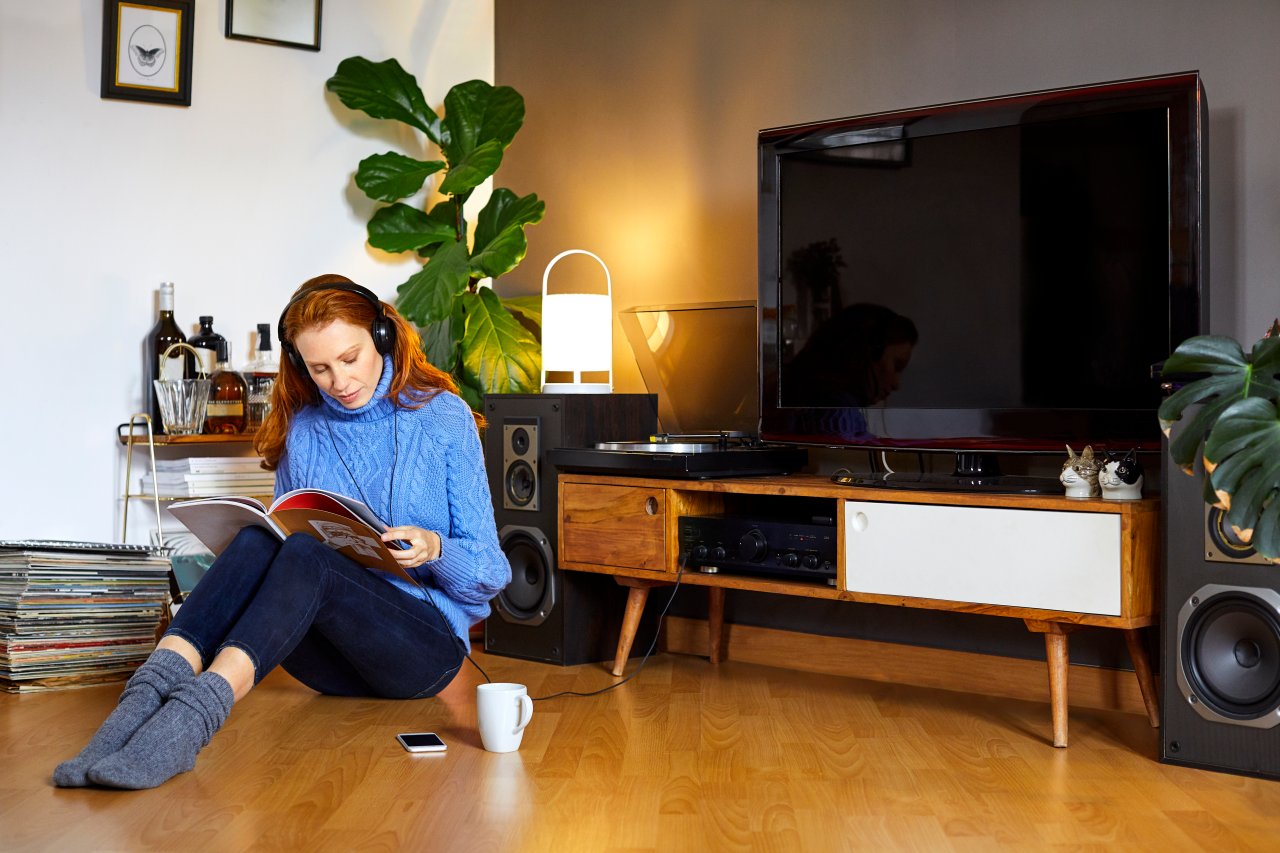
(526, 712)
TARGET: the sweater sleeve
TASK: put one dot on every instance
(471, 567)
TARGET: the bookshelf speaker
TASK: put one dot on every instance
(1220, 641)
(546, 614)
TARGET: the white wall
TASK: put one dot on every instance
(237, 199)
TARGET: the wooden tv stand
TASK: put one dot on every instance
(1054, 562)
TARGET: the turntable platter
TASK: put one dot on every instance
(658, 446)
(673, 443)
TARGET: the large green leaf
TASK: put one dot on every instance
(392, 176)
(445, 213)
(469, 172)
(428, 296)
(529, 307)
(506, 210)
(1231, 376)
(499, 355)
(384, 90)
(1242, 456)
(442, 339)
(500, 244)
(476, 112)
(401, 228)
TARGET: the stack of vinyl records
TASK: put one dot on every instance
(76, 614)
(209, 476)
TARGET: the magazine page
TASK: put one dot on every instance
(329, 502)
(216, 521)
(350, 536)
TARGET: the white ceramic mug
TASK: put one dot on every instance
(503, 711)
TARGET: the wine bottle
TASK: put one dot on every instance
(163, 334)
(207, 343)
(227, 395)
(260, 374)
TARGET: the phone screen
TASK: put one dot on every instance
(421, 742)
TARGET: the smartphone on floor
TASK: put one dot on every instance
(421, 742)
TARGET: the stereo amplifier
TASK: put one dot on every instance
(795, 549)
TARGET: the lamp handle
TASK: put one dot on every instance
(608, 282)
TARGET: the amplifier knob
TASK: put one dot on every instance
(699, 552)
(810, 561)
(753, 546)
(790, 559)
(718, 552)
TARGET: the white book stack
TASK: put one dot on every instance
(208, 476)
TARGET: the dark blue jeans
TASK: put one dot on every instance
(332, 624)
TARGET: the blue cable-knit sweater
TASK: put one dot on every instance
(437, 482)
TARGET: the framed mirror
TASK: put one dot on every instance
(289, 23)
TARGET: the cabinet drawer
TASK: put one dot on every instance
(613, 526)
(1041, 559)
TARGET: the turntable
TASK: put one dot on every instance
(728, 453)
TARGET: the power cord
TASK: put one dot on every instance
(652, 645)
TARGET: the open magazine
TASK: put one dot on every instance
(344, 524)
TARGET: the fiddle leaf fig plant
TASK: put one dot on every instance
(487, 343)
(1238, 426)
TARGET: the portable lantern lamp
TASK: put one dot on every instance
(577, 334)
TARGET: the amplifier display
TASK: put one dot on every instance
(795, 549)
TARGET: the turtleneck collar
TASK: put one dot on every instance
(378, 407)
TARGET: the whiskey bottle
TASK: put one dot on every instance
(227, 395)
(207, 344)
(260, 374)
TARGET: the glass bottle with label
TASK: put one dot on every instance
(228, 393)
(163, 335)
(207, 344)
(260, 374)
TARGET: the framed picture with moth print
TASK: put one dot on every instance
(146, 50)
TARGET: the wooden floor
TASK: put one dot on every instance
(686, 756)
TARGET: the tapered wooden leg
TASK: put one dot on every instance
(1056, 654)
(636, 598)
(715, 622)
(1142, 669)
(637, 595)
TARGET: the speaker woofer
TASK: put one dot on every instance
(1229, 654)
(531, 595)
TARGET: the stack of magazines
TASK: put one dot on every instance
(208, 476)
(76, 614)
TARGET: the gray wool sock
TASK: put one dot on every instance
(143, 694)
(168, 743)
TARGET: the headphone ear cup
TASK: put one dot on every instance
(384, 335)
(294, 358)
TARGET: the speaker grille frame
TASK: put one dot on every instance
(1194, 691)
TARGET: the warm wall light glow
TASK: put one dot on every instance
(577, 334)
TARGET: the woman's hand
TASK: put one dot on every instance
(423, 545)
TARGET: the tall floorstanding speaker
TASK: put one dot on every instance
(546, 614)
(1220, 649)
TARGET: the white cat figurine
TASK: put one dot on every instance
(1121, 477)
(1080, 474)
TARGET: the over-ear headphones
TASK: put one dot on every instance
(382, 330)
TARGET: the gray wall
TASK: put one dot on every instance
(642, 117)
(641, 130)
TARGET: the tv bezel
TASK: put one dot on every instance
(1024, 430)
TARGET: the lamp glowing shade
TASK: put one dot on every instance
(577, 334)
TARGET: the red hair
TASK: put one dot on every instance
(414, 380)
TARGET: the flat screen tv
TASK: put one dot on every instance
(983, 277)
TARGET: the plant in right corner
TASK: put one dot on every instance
(1238, 424)
(467, 329)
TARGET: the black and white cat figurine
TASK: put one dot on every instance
(1121, 477)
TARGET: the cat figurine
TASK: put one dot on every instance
(1121, 477)
(1080, 474)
